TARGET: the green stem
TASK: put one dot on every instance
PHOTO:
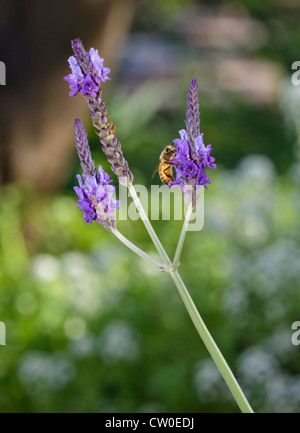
(137, 250)
(182, 236)
(160, 249)
(211, 345)
(192, 310)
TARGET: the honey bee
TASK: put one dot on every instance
(164, 166)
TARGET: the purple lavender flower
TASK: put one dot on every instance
(95, 199)
(94, 191)
(100, 72)
(87, 71)
(192, 155)
(75, 79)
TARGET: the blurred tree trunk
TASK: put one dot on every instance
(36, 113)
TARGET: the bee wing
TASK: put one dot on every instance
(155, 170)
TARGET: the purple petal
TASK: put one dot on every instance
(88, 86)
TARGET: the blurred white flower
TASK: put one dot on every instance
(39, 371)
(118, 342)
(45, 267)
(256, 168)
(83, 347)
(256, 366)
(84, 288)
(209, 382)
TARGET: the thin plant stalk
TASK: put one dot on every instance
(211, 345)
(137, 250)
(199, 324)
(160, 249)
(182, 236)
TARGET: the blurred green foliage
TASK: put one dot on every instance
(90, 327)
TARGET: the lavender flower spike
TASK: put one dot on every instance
(88, 72)
(83, 150)
(95, 199)
(192, 113)
(192, 155)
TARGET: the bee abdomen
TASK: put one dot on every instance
(165, 173)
